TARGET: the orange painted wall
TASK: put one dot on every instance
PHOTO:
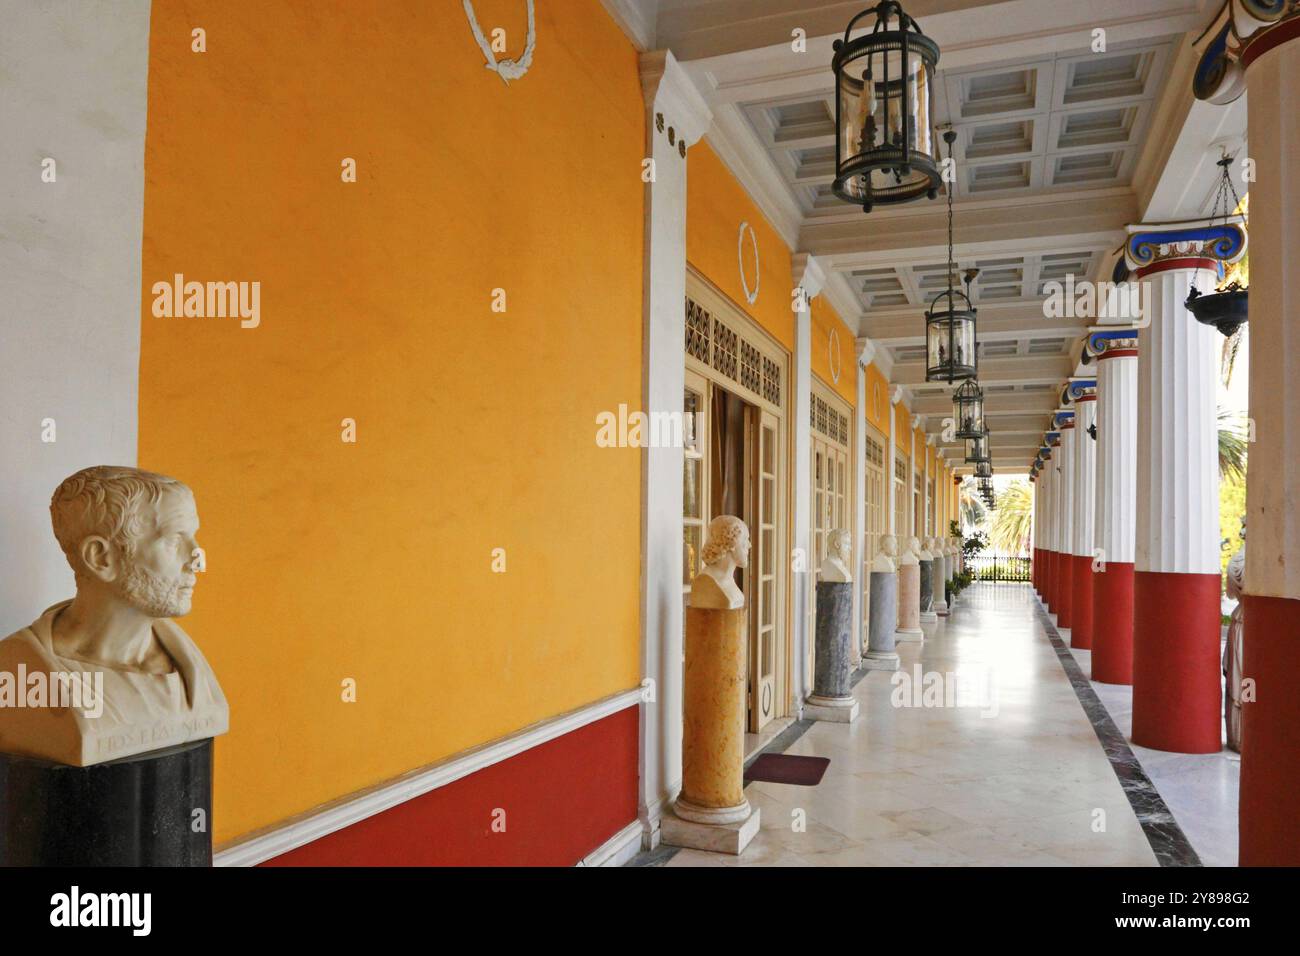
(476, 430)
(716, 205)
(878, 399)
(826, 356)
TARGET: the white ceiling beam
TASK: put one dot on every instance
(1013, 370)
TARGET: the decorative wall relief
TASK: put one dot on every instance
(751, 296)
(505, 68)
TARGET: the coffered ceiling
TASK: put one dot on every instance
(1062, 132)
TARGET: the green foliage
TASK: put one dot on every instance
(1232, 445)
(1014, 519)
(1232, 507)
(974, 545)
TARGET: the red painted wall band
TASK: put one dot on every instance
(1269, 826)
(1184, 262)
(1081, 602)
(1269, 39)
(1177, 695)
(1116, 353)
(1112, 624)
(562, 800)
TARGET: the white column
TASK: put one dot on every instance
(1083, 396)
(1065, 514)
(669, 93)
(1115, 510)
(811, 278)
(1176, 679)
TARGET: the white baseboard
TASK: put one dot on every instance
(618, 849)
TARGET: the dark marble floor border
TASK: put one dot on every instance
(1168, 842)
(777, 745)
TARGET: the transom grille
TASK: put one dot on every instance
(716, 344)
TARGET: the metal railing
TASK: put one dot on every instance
(998, 567)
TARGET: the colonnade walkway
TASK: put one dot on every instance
(1008, 770)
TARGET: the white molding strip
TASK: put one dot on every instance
(332, 817)
(618, 849)
(636, 18)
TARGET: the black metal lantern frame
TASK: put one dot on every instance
(983, 469)
(968, 409)
(950, 347)
(977, 448)
(884, 97)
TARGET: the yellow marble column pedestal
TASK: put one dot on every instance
(711, 813)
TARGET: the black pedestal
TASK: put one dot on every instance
(137, 811)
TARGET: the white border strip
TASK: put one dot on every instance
(335, 816)
(618, 849)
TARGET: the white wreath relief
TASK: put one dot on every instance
(506, 69)
(750, 297)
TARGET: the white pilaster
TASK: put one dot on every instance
(865, 351)
(811, 277)
(669, 93)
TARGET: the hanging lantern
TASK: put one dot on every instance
(983, 469)
(977, 448)
(884, 80)
(950, 320)
(1227, 308)
(968, 409)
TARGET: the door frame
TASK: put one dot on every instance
(768, 388)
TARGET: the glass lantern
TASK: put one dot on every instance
(950, 338)
(977, 448)
(884, 145)
(968, 409)
(983, 469)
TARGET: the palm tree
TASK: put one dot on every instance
(1232, 445)
(972, 509)
(1013, 520)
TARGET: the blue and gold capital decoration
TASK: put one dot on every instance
(1241, 30)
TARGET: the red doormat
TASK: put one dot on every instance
(788, 768)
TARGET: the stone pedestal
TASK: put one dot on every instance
(909, 604)
(882, 623)
(940, 584)
(832, 696)
(926, 595)
(712, 798)
(137, 811)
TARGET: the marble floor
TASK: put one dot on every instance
(999, 766)
(1199, 789)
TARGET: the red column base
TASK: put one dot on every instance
(1049, 578)
(1177, 695)
(1081, 587)
(1064, 590)
(1045, 580)
(1112, 624)
(1268, 825)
